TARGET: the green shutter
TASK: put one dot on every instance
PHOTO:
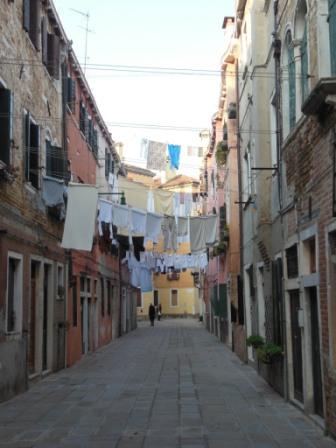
(304, 65)
(292, 90)
(332, 35)
(5, 125)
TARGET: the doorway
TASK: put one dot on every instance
(316, 353)
(294, 297)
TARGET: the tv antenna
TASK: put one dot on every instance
(87, 31)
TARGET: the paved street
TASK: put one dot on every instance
(173, 385)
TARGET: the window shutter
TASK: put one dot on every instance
(332, 35)
(50, 53)
(95, 141)
(82, 117)
(56, 69)
(34, 155)
(292, 90)
(49, 161)
(53, 56)
(44, 38)
(26, 14)
(73, 95)
(26, 143)
(35, 20)
(86, 128)
(5, 125)
(304, 65)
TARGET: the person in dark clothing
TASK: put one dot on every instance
(151, 314)
(159, 312)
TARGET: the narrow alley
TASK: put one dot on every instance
(173, 385)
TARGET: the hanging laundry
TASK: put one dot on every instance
(163, 201)
(146, 280)
(188, 203)
(153, 226)
(211, 229)
(136, 193)
(182, 226)
(138, 221)
(150, 202)
(197, 234)
(156, 156)
(174, 152)
(120, 215)
(80, 217)
(105, 215)
(169, 231)
(52, 191)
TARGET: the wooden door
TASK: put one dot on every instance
(316, 354)
(296, 345)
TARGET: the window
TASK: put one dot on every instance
(71, 93)
(139, 298)
(32, 150)
(74, 302)
(83, 118)
(156, 297)
(292, 262)
(174, 297)
(304, 64)
(291, 81)
(6, 120)
(332, 35)
(56, 161)
(109, 296)
(109, 163)
(14, 295)
(60, 283)
(195, 151)
(102, 297)
(50, 50)
(247, 174)
(31, 20)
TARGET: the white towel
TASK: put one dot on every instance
(211, 229)
(120, 215)
(138, 221)
(163, 201)
(182, 226)
(153, 226)
(80, 217)
(197, 234)
(105, 215)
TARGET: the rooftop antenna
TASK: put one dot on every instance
(87, 30)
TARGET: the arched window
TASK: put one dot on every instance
(301, 36)
(332, 35)
(291, 81)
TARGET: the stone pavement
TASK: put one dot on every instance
(173, 385)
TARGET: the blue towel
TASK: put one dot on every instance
(174, 155)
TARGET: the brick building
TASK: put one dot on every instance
(33, 266)
(55, 304)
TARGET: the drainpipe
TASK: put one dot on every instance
(279, 140)
(240, 189)
(65, 160)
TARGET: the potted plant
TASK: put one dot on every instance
(222, 151)
(267, 353)
(255, 341)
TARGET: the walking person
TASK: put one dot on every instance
(159, 312)
(151, 314)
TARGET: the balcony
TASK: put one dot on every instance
(321, 97)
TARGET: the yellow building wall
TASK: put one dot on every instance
(188, 295)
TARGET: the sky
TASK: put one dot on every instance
(183, 34)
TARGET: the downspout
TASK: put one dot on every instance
(279, 140)
(65, 161)
(240, 189)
